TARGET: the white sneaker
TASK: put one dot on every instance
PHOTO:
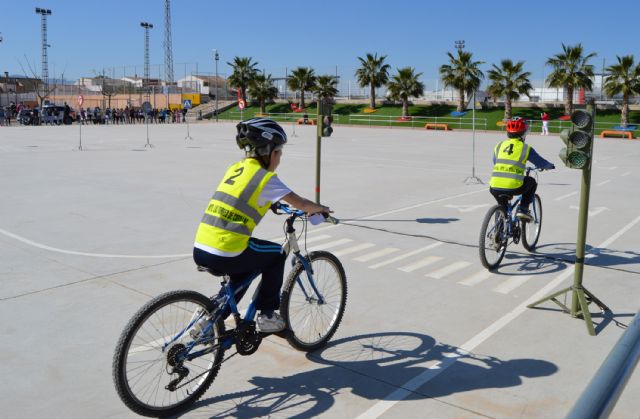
(272, 324)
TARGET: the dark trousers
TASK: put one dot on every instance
(262, 256)
(527, 190)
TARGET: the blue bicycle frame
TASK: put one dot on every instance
(228, 302)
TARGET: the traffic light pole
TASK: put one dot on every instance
(318, 150)
(581, 297)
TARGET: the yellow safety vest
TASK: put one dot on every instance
(233, 211)
(511, 157)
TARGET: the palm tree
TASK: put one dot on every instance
(509, 81)
(374, 73)
(243, 72)
(571, 71)
(463, 74)
(623, 78)
(262, 89)
(302, 79)
(404, 85)
(326, 87)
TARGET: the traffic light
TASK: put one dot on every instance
(578, 140)
(326, 126)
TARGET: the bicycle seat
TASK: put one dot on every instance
(211, 271)
(507, 196)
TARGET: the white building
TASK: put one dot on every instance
(203, 84)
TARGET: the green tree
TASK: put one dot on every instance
(302, 79)
(262, 89)
(571, 71)
(243, 72)
(405, 85)
(326, 87)
(373, 72)
(463, 74)
(623, 78)
(509, 81)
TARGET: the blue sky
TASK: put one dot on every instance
(87, 36)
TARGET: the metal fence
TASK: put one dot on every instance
(416, 121)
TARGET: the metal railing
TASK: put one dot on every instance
(556, 126)
(417, 121)
(602, 393)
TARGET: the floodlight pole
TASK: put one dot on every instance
(216, 57)
(581, 297)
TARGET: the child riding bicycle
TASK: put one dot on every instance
(223, 241)
(509, 164)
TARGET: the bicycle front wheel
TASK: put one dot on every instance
(312, 305)
(531, 229)
(148, 358)
(493, 237)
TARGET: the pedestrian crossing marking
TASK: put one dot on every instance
(420, 264)
(328, 245)
(382, 252)
(476, 278)
(449, 269)
(353, 249)
(511, 283)
(406, 255)
(316, 238)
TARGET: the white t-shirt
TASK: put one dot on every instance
(273, 191)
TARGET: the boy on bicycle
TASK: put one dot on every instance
(223, 241)
(509, 164)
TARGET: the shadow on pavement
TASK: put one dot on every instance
(371, 367)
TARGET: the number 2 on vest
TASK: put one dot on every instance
(230, 180)
(508, 150)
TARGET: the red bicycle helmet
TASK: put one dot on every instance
(516, 127)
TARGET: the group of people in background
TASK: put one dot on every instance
(129, 115)
(57, 115)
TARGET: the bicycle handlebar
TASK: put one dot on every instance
(286, 209)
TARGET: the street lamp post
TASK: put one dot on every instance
(216, 57)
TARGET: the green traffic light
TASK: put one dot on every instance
(577, 159)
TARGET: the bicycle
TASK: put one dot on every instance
(171, 350)
(499, 227)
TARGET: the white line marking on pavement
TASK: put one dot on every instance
(449, 269)
(316, 238)
(476, 278)
(512, 283)
(422, 204)
(420, 264)
(374, 255)
(353, 249)
(406, 255)
(626, 173)
(466, 208)
(97, 255)
(604, 182)
(328, 245)
(592, 213)
(408, 388)
(566, 196)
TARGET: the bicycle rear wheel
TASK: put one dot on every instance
(313, 310)
(493, 237)
(148, 355)
(531, 229)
